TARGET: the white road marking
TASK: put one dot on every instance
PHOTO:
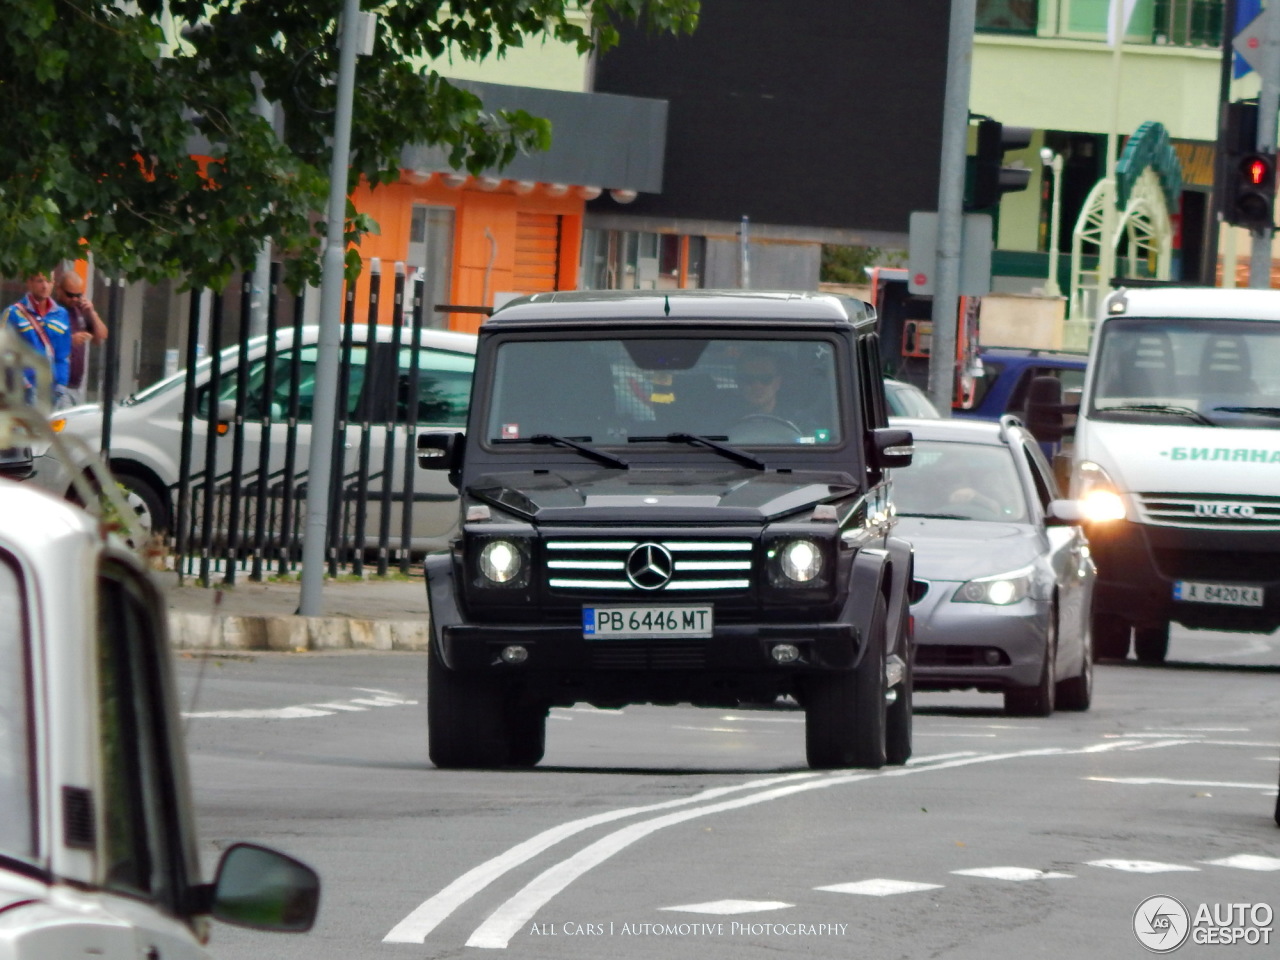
(1247, 861)
(513, 915)
(347, 707)
(880, 888)
(1159, 781)
(1141, 866)
(272, 713)
(971, 736)
(709, 729)
(735, 718)
(1016, 874)
(509, 918)
(416, 926)
(729, 907)
(1147, 736)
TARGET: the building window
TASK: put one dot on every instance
(1008, 16)
(431, 251)
(626, 260)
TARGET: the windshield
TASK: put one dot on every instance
(1224, 373)
(960, 481)
(618, 391)
(17, 785)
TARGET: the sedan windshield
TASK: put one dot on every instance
(960, 481)
(617, 391)
(1222, 373)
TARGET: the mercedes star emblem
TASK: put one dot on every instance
(649, 566)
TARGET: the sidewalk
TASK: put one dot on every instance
(369, 614)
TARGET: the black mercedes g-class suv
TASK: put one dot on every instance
(669, 498)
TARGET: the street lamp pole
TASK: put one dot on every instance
(1053, 162)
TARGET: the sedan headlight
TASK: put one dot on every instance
(1099, 499)
(504, 562)
(796, 562)
(1000, 590)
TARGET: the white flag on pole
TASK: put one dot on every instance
(1124, 23)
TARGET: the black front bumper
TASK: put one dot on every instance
(1138, 565)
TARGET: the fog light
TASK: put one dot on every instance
(991, 657)
(514, 654)
(785, 653)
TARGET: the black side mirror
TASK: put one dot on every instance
(265, 890)
(893, 446)
(16, 463)
(1044, 409)
(442, 451)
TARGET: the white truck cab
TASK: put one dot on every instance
(98, 854)
(1177, 461)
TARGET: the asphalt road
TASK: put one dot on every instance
(678, 832)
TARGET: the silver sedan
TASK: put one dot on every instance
(1004, 580)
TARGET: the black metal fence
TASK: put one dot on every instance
(246, 517)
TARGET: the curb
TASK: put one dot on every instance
(293, 634)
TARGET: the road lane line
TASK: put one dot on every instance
(1157, 781)
(418, 925)
(513, 916)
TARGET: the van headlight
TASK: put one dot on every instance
(504, 563)
(1096, 491)
(1000, 590)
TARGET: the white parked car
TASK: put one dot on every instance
(146, 429)
(98, 850)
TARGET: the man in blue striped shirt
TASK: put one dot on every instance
(44, 324)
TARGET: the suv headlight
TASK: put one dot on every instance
(1000, 590)
(1097, 494)
(504, 562)
(797, 562)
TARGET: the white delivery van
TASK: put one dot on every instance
(1177, 462)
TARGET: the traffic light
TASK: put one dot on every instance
(1249, 175)
(991, 177)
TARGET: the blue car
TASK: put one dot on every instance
(1007, 373)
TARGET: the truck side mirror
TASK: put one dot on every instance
(894, 447)
(265, 890)
(226, 417)
(1044, 410)
(441, 451)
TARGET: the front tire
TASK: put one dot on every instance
(466, 725)
(1037, 701)
(1110, 637)
(1151, 644)
(1076, 693)
(845, 713)
(897, 738)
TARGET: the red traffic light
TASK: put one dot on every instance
(1256, 171)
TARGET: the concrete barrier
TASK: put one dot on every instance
(195, 631)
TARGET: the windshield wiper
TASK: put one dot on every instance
(711, 443)
(1172, 409)
(936, 516)
(1259, 411)
(550, 439)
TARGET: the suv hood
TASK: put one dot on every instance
(664, 496)
(1183, 459)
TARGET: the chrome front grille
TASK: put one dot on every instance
(1210, 511)
(648, 567)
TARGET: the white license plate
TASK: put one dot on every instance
(1190, 591)
(603, 623)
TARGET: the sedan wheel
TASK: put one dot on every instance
(1037, 701)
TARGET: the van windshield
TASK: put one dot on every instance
(640, 389)
(1212, 372)
(17, 784)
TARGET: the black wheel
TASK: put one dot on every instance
(1151, 644)
(1110, 635)
(148, 505)
(1278, 809)
(897, 736)
(1037, 701)
(527, 731)
(466, 724)
(845, 713)
(1076, 693)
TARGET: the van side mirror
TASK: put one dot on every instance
(263, 889)
(893, 446)
(226, 417)
(1064, 513)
